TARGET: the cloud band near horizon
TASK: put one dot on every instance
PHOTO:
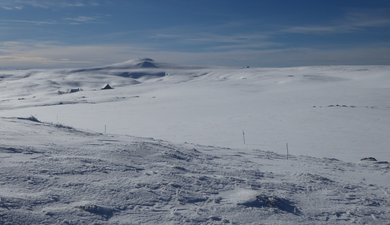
(78, 33)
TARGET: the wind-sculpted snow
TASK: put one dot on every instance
(53, 174)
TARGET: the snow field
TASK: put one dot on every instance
(85, 165)
(52, 174)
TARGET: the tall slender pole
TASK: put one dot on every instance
(243, 136)
(287, 149)
(105, 128)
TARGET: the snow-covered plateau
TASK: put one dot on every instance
(191, 145)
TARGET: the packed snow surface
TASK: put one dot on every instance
(53, 174)
(216, 152)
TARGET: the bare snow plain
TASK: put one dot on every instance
(91, 161)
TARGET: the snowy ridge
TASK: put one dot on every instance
(58, 175)
(145, 63)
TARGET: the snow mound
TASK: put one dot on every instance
(146, 63)
(137, 63)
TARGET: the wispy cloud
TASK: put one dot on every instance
(32, 22)
(351, 22)
(377, 18)
(20, 4)
(33, 54)
(65, 21)
(81, 19)
(57, 55)
(211, 41)
(11, 7)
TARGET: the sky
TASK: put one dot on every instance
(264, 33)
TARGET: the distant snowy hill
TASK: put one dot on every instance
(130, 64)
(138, 63)
(53, 174)
(145, 63)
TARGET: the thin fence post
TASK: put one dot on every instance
(287, 150)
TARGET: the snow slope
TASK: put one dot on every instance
(52, 174)
(55, 174)
(335, 111)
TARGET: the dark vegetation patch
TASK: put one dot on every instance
(265, 201)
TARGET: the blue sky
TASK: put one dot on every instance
(77, 33)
